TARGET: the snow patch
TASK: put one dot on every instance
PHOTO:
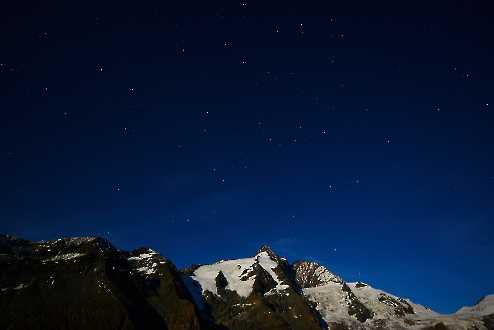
(145, 270)
(232, 270)
(64, 257)
(17, 287)
(235, 272)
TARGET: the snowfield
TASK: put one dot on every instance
(237, 273)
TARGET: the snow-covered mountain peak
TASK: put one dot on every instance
(267, 250)
(240, 275)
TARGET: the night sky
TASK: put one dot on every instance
(359, 135)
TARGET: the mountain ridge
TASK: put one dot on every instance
(80, 282)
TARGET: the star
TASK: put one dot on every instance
(387, 140)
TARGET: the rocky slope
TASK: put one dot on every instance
(81, 283)
(86, 283)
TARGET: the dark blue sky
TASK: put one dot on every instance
(357, 135)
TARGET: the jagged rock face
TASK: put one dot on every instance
(310, 274)
(86, 283)
(253, 293)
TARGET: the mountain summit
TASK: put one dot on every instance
(268, 250)
(82, 283)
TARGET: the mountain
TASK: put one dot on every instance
(81, 283)
(86, 283)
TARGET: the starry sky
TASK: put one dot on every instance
(356, 134)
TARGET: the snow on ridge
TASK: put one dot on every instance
(142, 256)
(66, 256)
(147, 270)
(331, 300)
(235, 272)
(369, 296)
(266, 262)
(17, 287)
(232, 270)
(70, 240)
(278, 289)
(146, 262)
